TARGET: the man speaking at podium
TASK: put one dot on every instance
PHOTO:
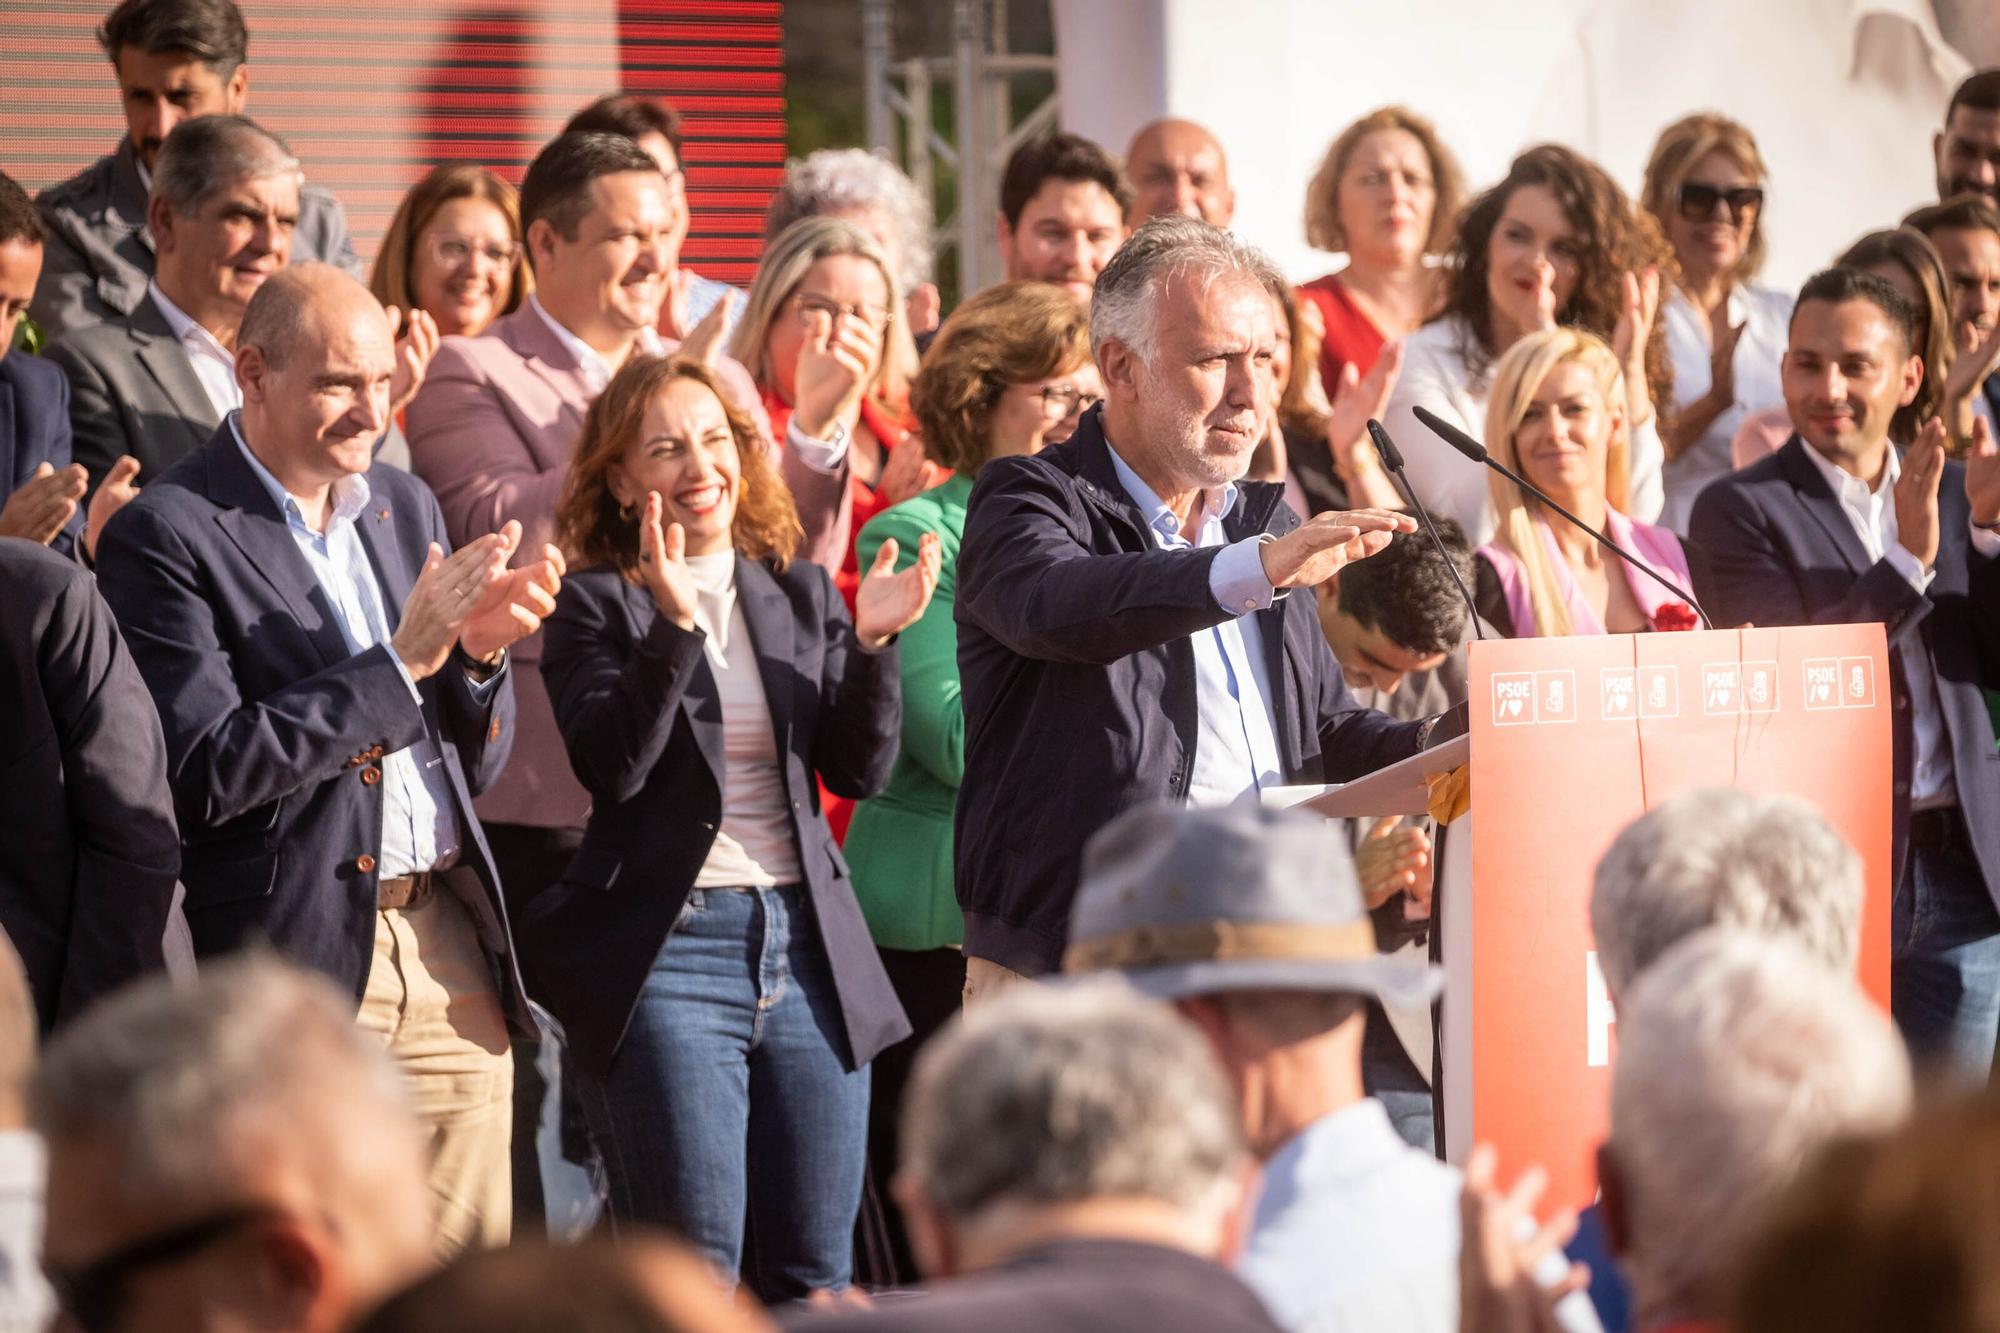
(1834, 528)
(1124, 630)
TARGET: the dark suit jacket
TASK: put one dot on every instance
(637, 705)
(87, 878)
(133, 391)
(34, 429)
(1074, 1286)
(1078, 680)
(274, 728)
(1780, 551)
(100, 252)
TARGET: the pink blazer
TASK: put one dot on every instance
(1655, 545)
(491, 432)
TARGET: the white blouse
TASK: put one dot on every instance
(1766, 315)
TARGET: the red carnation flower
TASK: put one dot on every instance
(1676, 616)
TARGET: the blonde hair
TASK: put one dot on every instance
(1517, 378)
(1686, 142)
(394, 279)
(1323, 229)
(786, 260)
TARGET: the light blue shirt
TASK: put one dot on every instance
(419, 826)
(1236, 744)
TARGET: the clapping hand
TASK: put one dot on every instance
(663, 564)
(1723, 337)
(703, 343)
(417, 340)
(1629, 339)
(908, 472)
(1359, 398)
(514, 605)
(1916, 496)
(835, 365)
(1500, 1246)
(890, 602)
(1982, 474)
(447, 591)
(1976, 359)
(44, 504)
(1391, 860)
(112, 494)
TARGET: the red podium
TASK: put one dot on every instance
(1571, 739)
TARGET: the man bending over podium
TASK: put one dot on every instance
(1835, 528)
(1124, 629)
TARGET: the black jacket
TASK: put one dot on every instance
(1079, 683)
(640, 717)
(34, 429)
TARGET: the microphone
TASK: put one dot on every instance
(1476, 451)
(1392, 458)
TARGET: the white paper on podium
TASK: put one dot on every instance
(1398, 789)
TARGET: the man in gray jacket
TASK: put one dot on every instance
(175, 60)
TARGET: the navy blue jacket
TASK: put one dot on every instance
(1780, 551)
(274, 729)
(1079, 683)
(34, 429)
(640, 717)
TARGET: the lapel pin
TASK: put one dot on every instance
(381, 513)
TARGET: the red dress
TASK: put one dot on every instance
(1351, 337)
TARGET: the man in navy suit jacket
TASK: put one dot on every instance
(1834, 528)
(333, 692)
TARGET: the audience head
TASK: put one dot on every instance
(1739, 1057)
(454, 250)
(1253, 923)
(1968, 147)
(638, 1285)
(603, 234)
(314, 358)
(225, 201)
(820, 274)
(866, 190)
(1705, 187)
(1009, 373)
(1184, 330)
(1047, 1104)
(1177, 166)
(21, 241)
(1386, 192)
(1965, 231)
(175, 60)
(1555, 223)
(656, 128)
(1907, 261)
(1899, 1230)
(1398, 611)
(1063, 203)
(1851, 368)
(666, 425)
(1557, 416)
(229, 1152)
(1721, 856)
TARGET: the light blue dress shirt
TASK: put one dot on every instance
(419, 825)
(1236, 743)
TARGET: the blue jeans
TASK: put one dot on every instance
(1944, 974)
(730, 1106)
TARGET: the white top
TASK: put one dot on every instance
(26, 1303)
(1436, 376)
(754, 846)
(1765, 314)
(213, 365)
(596, 371)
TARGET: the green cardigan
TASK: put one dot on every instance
(899, 845)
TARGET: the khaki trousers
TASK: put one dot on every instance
(985, 979)
(430, 999)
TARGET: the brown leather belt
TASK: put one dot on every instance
(404, 892)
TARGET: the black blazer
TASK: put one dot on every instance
(133, 391)
(274, 729)
(91, 853)
(1779, 550)
(1079, 683)
(639, 714)
(34, 429)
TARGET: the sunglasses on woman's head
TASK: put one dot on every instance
(1698, 201)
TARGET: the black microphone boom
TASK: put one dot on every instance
(1476, 451)
(1392, 458)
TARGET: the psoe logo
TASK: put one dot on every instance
(1513, 698)
(1721, 688)
(1822, 689)
(1618, 694)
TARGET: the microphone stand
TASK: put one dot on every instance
(1392, 458)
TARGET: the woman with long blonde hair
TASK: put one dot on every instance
(1557, 416)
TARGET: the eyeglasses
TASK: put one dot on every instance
(1698, 201)
(451, 251)
(93, 1297)
(1064, 400)
(810, 305)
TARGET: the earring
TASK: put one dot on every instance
(627, 513)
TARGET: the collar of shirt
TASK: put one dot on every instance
(198, 340)
(1216, 503)
(1853, 493)
(594, 367)
(145, 176)
(349, 495)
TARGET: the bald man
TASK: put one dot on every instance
(333, 689)
(1176, 166)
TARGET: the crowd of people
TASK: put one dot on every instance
(802, 750)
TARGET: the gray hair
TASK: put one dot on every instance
(206, 155)
(179, 1080)
(1723, 857)
(1125, 303)
(834, 180)
(1739, 1057)
(1050, 1094)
